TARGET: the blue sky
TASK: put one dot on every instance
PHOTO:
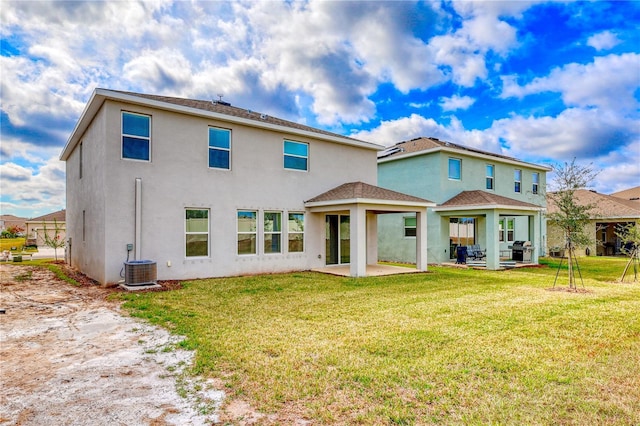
(546, 82)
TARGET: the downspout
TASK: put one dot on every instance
(138, 218)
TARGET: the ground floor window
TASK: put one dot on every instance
(247, 231)
(295, 232)
(196, 232)
(506, 230)
(410, 226)
(272, 232)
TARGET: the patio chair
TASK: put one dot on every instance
(474, 251)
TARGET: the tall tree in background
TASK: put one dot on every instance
(570, 216)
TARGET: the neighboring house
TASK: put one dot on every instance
(609, 214)
(35, 228)
(8, 220)
(207, 189)
(482, 198)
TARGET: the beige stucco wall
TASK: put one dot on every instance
(178, 177)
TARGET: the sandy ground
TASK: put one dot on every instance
(69, 356)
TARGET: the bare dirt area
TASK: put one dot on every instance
(70, 356)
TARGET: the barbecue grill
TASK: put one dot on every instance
(521, 250)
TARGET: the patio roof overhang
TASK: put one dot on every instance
(360, 193)
(479, 200)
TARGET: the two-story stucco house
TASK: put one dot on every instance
(482, 199)
(206, 189)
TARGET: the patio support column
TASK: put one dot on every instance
(534, 231)
(358, 235)
(421, 240)
(493, 245)
(372, 238)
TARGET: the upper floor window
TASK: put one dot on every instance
(219, 148)
(517, 180)
(296, 232)
(455, 168)
(196, 232)
(410, 226)
(296, 155)
(535, 177)
(272, 232)
(490, 176)
(247, 231)
(136, 136)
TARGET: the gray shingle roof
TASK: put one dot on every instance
(225, 108)
(361, 190)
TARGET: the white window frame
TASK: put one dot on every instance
(123, 135)
(290, 232)
(266, 232)
(535, 182)
(285, 155)
(490, 177)
(207, 233)
(459, 160)
(405, 227)
(254, 232)
(215, 148)
(517, 181)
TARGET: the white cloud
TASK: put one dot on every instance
(464, 50)
(603, 41)
(414, 126)
(456, 102)
(38, 192)
(588, 85)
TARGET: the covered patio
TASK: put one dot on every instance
(490, 213)
(350, 212)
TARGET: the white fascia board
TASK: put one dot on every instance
(486, 207)
(368, 201)
(90, 110)
(455, 151)
(123, 97)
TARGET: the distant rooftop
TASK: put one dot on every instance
(605, 206)
(632, 194)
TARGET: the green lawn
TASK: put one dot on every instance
(9, 243)
(452, 346)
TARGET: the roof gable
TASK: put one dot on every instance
(361, 190)
(479, 198)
